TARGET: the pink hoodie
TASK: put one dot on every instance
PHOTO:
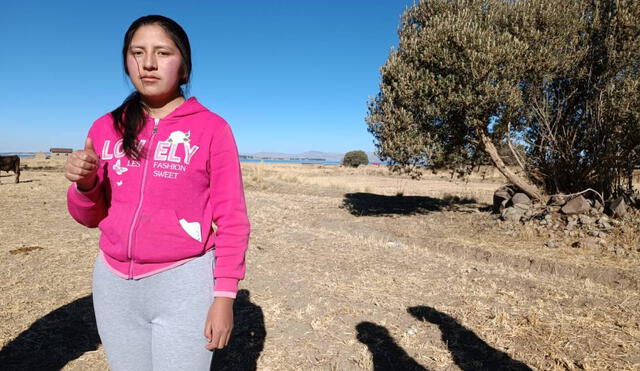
(156, 213)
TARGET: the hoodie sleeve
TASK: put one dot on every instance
(89, 207)
(229, 213)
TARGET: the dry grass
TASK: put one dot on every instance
(345, 275)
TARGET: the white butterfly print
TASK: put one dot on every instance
(119, 169)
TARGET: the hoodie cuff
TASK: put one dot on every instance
(222, 284)
(224, 294)
(89, 196)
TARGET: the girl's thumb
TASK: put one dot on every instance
(88, 145)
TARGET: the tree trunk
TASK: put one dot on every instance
(491, 150)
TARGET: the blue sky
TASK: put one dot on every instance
(289, 76)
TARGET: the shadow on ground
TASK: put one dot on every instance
(370, 204)
(54, 340)
(386, 354)
(468, 351)
(247, 339)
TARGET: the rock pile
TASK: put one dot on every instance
(573, 216)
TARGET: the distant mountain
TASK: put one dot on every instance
(327, 156)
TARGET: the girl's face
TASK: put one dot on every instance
(154, 64)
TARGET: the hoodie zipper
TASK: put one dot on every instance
(135, 215)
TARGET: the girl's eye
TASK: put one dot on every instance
(164, 53)
(136, 53)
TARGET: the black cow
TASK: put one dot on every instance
(11, 163)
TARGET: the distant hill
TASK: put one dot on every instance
(327, 156)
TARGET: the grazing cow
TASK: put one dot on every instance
(11, 163)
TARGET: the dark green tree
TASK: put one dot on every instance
(355, 159)
(559, 79)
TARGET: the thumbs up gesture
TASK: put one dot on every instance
(82, 166)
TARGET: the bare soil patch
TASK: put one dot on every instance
(343, 273)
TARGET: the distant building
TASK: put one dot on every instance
(60, 152)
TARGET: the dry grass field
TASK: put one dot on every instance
(347, 269)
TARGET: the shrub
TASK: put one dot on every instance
(355, 159)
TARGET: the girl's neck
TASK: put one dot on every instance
(159, 109)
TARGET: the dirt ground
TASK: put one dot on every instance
(347, 269)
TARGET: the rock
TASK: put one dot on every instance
(588, 243)
(512, 214)
(552, 244)
(577, 205)
(572, 223)
(627, 229)
(500, 198)
(617, 208)
(586, 220)
(598, 206)
(520, 199)
(557, 200)
(603, 223)
(397, 245)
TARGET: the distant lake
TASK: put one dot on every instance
(290, 161)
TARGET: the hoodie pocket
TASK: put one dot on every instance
(163, 237)
(113, 234)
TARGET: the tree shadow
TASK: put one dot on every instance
(370, 204)
(54, 340)
(247, 338)
(387, 355)
(469, 352)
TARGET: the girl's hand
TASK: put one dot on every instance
(82, 166)
(219, 324)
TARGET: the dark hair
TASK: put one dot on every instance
(128, 118)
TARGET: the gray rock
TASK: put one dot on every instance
(551, 243)
(397, 245)
(586, 220)
(500, 198)
(617, 208)
(598, 206)
(572, 223)
(577, 205)
(557, 200)
(520, 199)
(512, 214)
(588, 243)
(523, 207)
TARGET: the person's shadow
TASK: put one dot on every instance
(469, 352)
(387, 355)
(247, 338)
(54, 340)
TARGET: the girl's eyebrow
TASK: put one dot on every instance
(155, 47)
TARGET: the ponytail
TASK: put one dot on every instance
(128, 121)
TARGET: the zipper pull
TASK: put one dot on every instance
(155, 126)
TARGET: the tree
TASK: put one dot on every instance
(355, 159)
(559, 78)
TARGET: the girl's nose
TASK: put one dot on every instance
(149, 61)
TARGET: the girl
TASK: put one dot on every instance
(153, 176)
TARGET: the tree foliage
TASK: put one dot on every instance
(558, 78)
(355, 159)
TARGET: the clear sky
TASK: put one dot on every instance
(289, 76)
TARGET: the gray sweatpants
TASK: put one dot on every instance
(155, 323)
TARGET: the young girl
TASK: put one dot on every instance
(153, 176)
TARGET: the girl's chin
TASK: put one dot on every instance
(156, 97)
